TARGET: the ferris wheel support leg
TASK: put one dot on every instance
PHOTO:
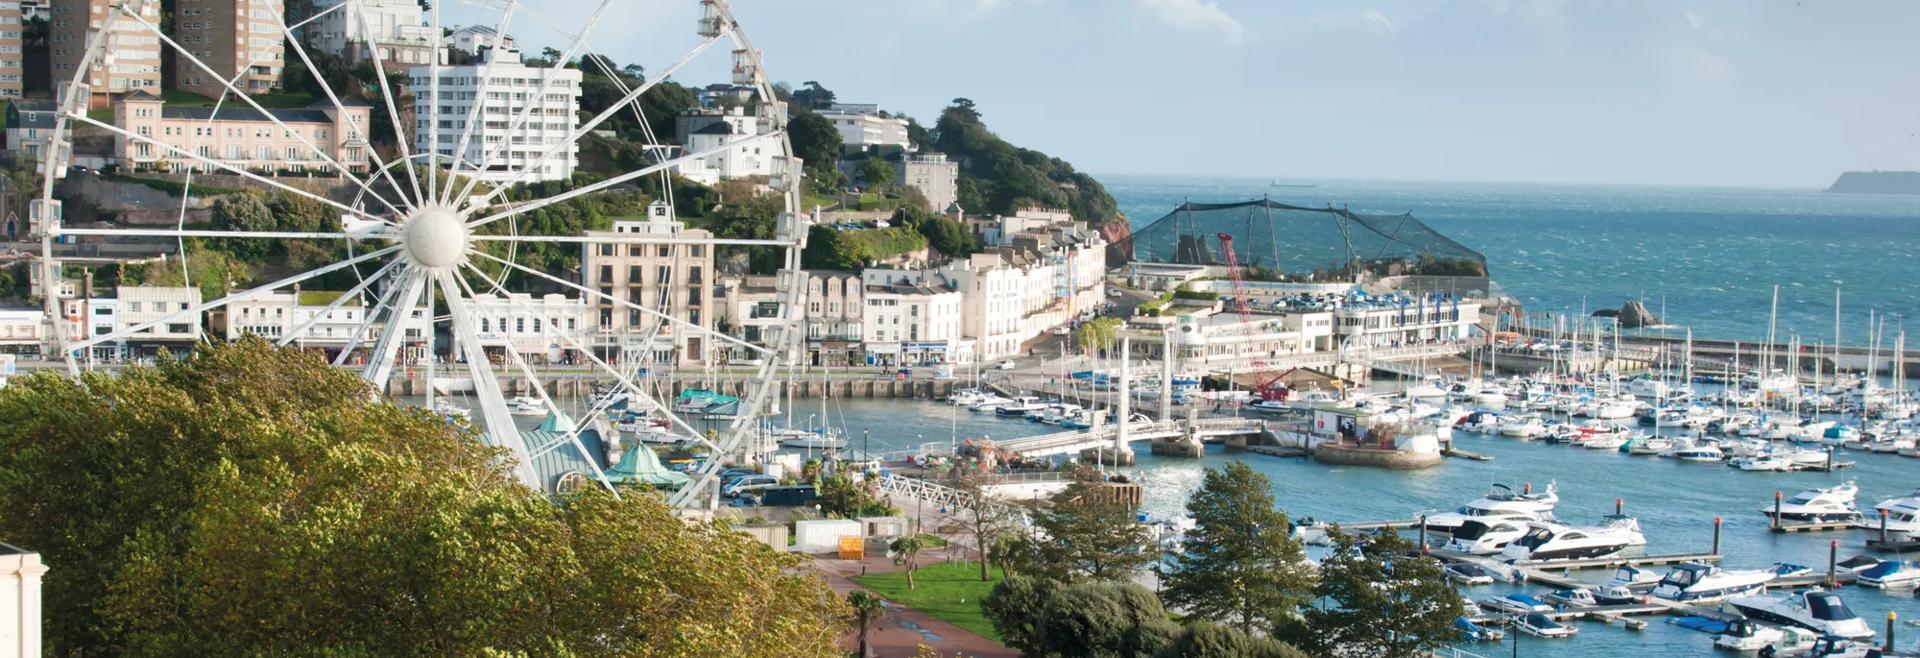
(386, 350)
(501, 432)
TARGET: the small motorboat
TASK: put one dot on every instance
(1891, 574)
(1516, 604)
(1816, 610)
(1698, 582)
(1634, 578)
(1468, 574)
(1746, 635)
(526, 406)
(1579, 596)
(1269, 407)
(1539, 625)
(1473, 632)
(1856, 564)
(1788, 569)
(449, 410)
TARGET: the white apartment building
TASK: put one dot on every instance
(835, 304)
(22, 330)
(474, 37)
(715, 131)
(936, 177)
(178, 306)
(1216, 340)
(547, 329)
(865, 125)
(21, 572)
(672, 279)
(505, 141)
(395, 31)
(277, 314)
(910, 323)
(135, 61)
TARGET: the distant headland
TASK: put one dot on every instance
(1877, 182)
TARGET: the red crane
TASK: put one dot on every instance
(1267, 390)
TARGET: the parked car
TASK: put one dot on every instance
(1005, 365)
(763, 481)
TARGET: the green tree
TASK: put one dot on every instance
(948, 236)
(1098, 334)
(981, 518)
(815, 140)
(812, 96)
(1088, 534)
(1240, 563)
(866, 608)
(999, 177)
(842, 497)
(875, 172)
(906, 553)
(1381, 597)
(1050, 618)
(221, 504)
(1203, 639)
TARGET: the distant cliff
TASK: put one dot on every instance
(1877, 182)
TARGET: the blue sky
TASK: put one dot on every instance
(1682, 92)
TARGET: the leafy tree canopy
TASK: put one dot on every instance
(999, 177)
(1087, 534)
(1378, 596)
(250, 500)
(1240, 563)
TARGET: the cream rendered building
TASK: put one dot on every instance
(674, 279)
(239, 39)
(21, 573)
(241, 137)
(12, 58)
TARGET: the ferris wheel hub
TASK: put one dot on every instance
(436, 237)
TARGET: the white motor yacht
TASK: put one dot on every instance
(526, 406)
(1747, 636)
(1500, 502)
(1556, 541)
(1525, 426)
(1815, 609)
(1487, 536)
(1699, 582)
(988, 402)
(1902, 514)
(1823, 505)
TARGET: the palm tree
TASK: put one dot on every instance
(866, 609)
(906, 550)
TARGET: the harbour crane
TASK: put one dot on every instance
(1266, 389)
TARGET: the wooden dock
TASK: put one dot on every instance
(1812, 527)
(1895, 545)
(1616, 561)
(1462, 454)
(1397, 524)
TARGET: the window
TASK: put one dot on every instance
(697, 251)
(665, 251)
(665, 275)
(693, 275)
(606, 273)
(178, 328)
(636, 275)
(693, 295)
(636, 251)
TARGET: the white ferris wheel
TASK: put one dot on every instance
(413, 244)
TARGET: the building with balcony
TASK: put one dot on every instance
(135, 49)
(172, 311)
(864, 125)
(907, 323)
(12, 57)
(835, 303)
(274, 315)
(395, 31)
(240, 40)
(243, 138)
(473, 38)
(526, 119)
(550, 328)
(675, 280)
(725, 136)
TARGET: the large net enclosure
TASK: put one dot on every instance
(1295, 243)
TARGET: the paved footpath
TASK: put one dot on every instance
(901, 631)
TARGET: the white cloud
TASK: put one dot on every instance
(1365, 21)
(1197, 15)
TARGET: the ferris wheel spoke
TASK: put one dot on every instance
(83, 118)
(500, 430)
(350, 294)
(546, 83)
(574, 136)
(386, 350)
(237, 93)
(631, 239)
(195, 310)
(393, 111)
(616, 180)
(293, 40)
(587, 352)
(217, 233)
(573, 436)
(624, 303)
(382, 302)
(473, 113)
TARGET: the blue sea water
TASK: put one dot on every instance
(1710, 256)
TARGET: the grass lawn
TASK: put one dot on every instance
(949, 591)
